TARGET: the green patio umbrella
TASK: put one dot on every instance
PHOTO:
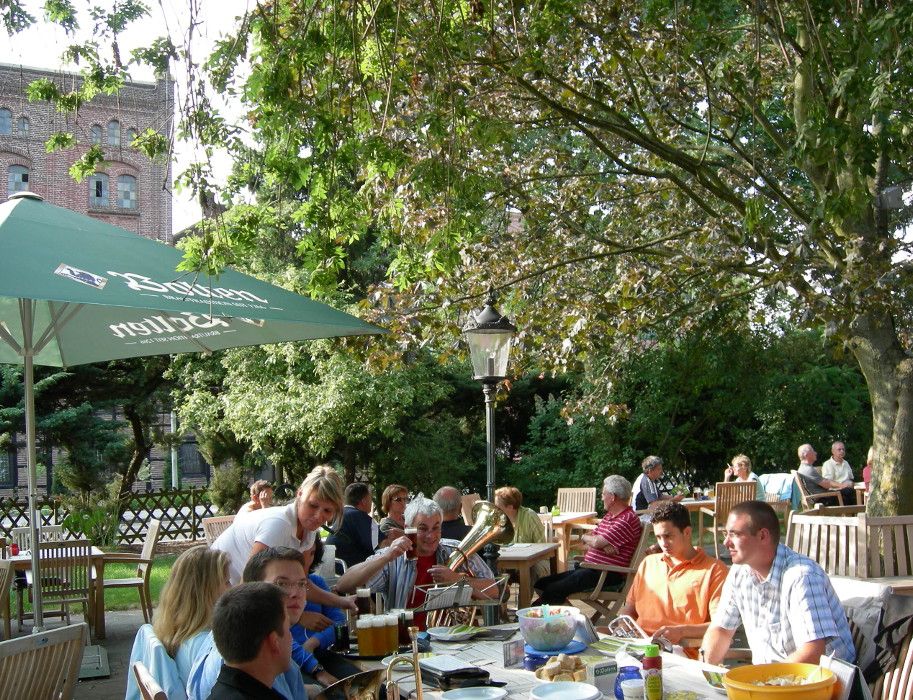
(75, 290)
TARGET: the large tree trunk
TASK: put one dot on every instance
(888, 371)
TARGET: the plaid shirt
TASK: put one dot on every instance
(397, 578)
(794, 605)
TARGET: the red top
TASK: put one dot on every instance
(422, 577)
(623, 532)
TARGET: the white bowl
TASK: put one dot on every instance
(565, 690)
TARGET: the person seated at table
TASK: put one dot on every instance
(739, 469)
(398, 576)
(315, 629)
(358, 536)
(261, 496)
(612, 542)
(674, 592)
(526, 523)
(867, 469)
(646, 486)
(393, 503)
(785, 600)
(183, 618)
(250, 630)
(283, 567)
(837, 468)
(451, 502)
(816, 483)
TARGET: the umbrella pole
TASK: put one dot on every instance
(28, 370)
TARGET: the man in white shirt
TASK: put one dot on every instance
(837, 468)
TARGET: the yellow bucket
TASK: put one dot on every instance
(740, 682)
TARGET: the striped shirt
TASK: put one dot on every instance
(623, 532)
(397, 578)
(794, 605)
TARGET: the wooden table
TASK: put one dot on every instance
(522, 558)
(23, 562)
(900, 585)
(563, 525)
(861, 492)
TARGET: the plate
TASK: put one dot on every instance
(482, 692)
(443, 634)
(565, 690)
(575, 647)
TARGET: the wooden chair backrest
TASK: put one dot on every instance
(42, 665)
(7, 574)
(467, 501)
(897, 684)
(213, 527)
(65, 568)
(807, 499)
(577, 500)
(149, 544)
(837, 543)
(22, 536)
(729, 494)
(890, 545)
(149, 689)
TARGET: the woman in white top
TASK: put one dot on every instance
(740, 470)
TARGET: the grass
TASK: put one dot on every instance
(128, 598)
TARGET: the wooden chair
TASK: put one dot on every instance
(213, 527)
(143, 568)
(607, 600)
(897, 684)
(65, 578)
(728, 495)
(577, 500)
(6, 581)
(807, 499)
(468, 501)
(889, 545)
(148, 688)
(837, 543)
(43, 665)
(821, 509)
(22, 536)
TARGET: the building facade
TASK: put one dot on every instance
(128, 190)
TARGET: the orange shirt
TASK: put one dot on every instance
(686, 594)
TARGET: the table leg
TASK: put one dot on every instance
(564, 545)
(525, 594)
(99, 598)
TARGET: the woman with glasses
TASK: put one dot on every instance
(393, 502)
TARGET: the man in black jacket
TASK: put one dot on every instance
(359, 535)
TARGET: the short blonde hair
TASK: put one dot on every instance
(190, 593)
(391, 492)
(325, 483)
(510, 495)
(740, 458)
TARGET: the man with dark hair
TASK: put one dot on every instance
(785, 600)
(451, 502)
(261, 496)
(358, 537)
(675, 591)
(250, 630)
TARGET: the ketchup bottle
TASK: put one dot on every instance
(653, 673)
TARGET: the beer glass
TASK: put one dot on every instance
(405, 622)
(412, 534)
(363, 601)
(391, 634)
(367, 640)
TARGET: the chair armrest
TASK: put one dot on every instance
(707, 511)
(120, 556)
(608, 567)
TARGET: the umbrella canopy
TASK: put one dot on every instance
(75, 290)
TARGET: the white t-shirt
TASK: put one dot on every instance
(274, 527)
(837, 472)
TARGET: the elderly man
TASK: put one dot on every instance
(250, 629)
(837, 468)
(359, 535)
(646, 488)
(612, 542)
(675, 592)
(815, 482)
(398, 576)
(785, 600)
(451, 502)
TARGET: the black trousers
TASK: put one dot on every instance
(557, 587)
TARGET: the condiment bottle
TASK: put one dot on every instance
(653, 673)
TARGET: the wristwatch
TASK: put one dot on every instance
(318, 669)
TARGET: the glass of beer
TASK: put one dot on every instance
(405, 622)
(367, 640)
(363, 601)
(342, 637)
(412, 534)
(391, 634)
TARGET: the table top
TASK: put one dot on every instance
(692, 504)
(26, 556)
(678, 673)
(525, 551)
(571, 517)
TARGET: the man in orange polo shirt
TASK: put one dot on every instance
(675, 592)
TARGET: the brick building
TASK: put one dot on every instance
(128, 190)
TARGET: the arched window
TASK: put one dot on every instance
(126, 192)
(6, 121)
(18, 180)
(114, 133)
(131, 136)
(98, 190)
(24, 126)
(96, 134)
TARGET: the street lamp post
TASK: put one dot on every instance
(488, 335)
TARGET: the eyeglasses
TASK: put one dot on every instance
(291, 587)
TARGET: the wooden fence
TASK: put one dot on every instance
(181, 513)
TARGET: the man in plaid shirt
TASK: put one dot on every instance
(785, 600)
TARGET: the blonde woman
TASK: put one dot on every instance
(318, 501)
(739, 469)
(183, 618)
